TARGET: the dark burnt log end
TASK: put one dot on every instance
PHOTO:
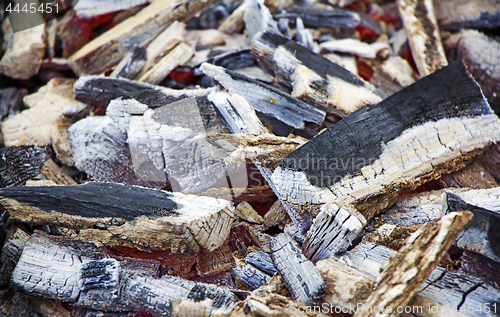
(321, 18)
(99, 91)
(454, 15)
(299, 274)
(311, 77)
(482, 234)
(20, 163)
(265, 98)
(108, 49)
(127, 216)
(453, 290)
(357, 161)
(402, 275)
(478, 52)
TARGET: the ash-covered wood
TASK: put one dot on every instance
(311, 77)
(404, 272)
(462, 14)
(87, 9)
(423, 35)
(265, 98)
(299, 274)
(109, 48)
(127, 216)
(20, 163)
(76, 272)
(358, 161)
(51, 110)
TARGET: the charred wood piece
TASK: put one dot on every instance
(131, 64)
(129, 216)
(459, 14)
(11, 252)
(346, 166)
(321, 18)
(20, 163)
(311, 77)
(299, 274)
(266, 99)
(11, 101)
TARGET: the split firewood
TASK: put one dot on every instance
(320, 18)
(393, 75)
(75, 272)
(451, 290)
(258, 18)
(259, 269)
(52, 110)
(423, 35)
(403, 273)
(265, 99)
(354, 47)
(87, 9)
(20, 163)
(24, 49)
(11, 252)
(99, 91)
(299, 274)
(471, 48)
(311, 77)
(275, 215)
(179, 55)
(234, 23)
(456, 14)
(52, 172)
(246, 212)
(131, 64)
(131, 216)
(344, 166)
(11, 101)
(108, 49)
(473, 176)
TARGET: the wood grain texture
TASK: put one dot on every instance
(423, 35)
(129, 216)
(402, 275)
(358, 161)
(52, 110)
(311, 77)
(264, 98)
(139, 30)
(300, 276)
(20, 163)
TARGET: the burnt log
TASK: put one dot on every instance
(459, 14)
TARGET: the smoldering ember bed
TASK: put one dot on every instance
(249, 158)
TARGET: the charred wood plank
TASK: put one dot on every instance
(423, 35)
(20, 163)
(51, 110)
(108, 49)
(99, 91)
(404, 272)
(359, 162)
(127, 217)
(461, 14)
(355, 47)
(311, 77)
(299, 274)
(266, 99)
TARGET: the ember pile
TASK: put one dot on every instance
(250, 158)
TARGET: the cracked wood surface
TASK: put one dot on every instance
(128, 216)
(423, 35)
(71, 271)
(20, 163)
(299, 274)
(453, 290)
(311, 77)
(264, 98)
(109, 48)
(403, 273)
(358, 161)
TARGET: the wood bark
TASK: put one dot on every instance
(266, 99)
(358, 162)
(311, 77)
(403, 273)
(299, 274)
(423, 35)
(139, 30)
(131, 216)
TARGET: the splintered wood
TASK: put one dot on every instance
(244, 158)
